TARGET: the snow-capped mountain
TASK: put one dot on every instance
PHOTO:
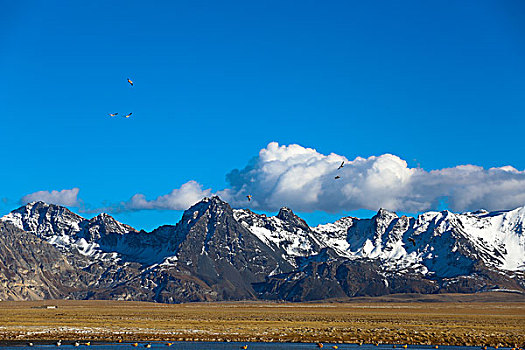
(286, 233)
(447, 244)
(63, 228)
(45, 220)
(212, 245)
(218, 253)
(435, 252)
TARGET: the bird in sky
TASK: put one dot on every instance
(342, 165)
(129, 81)
(112, 114)
(249, 197)
(337, 177)
(412, 240)
(129, 115)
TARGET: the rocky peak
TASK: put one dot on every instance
(382, 221)
(219, 252)
(386, 214)
(213, 207)
(44, 219)
(101, 225)
(288, 216)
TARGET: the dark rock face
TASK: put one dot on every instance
(292, 221)
(217, 253)
(337, 278)
(31, 268)
(217, 249)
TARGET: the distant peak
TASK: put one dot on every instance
(480, 212)
(384, 212)
(217, 199)
(103, 216)
(36, 204)
(212, 204)
(286, 214)
(210, 200)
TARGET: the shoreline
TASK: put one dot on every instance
(42, 342)
(104, 340)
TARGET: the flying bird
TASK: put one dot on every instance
(249, 197)
(337, 177)
(112, 114)
(129, 115)
(342, 165)
(129, 81)
(412, 240)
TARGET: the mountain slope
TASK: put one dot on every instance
(447, 244)
(435, 252)
(218, 253)
(286, 234)
(215, 247)
(32, 269)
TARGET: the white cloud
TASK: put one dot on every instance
(178, 199)
(304, 179)
(65, 197)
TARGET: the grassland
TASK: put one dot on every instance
(452, 321)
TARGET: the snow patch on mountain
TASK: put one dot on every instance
(441, 242)
(284, 232)
(434, 243)
(66, 230)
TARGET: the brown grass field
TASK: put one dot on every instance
(439, 320)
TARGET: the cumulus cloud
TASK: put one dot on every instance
(178, 199)
(304, 179)
(65, 197)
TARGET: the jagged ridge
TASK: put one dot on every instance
(219, 253)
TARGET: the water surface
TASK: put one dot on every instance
(228, 346)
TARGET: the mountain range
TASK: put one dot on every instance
(218, 253)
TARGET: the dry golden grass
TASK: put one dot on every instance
(453, 323)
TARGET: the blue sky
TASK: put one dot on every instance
(436, 84)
